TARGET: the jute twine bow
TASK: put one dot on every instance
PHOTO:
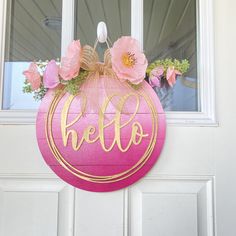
(102, 82)
(90, 62)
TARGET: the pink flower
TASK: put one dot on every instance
(155, 76)
(70, 64)
(50, 76)
(128, 62)
(171, 75)
(33, 77)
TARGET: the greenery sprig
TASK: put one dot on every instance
(37, 94)
(182, 66)
(73, 86)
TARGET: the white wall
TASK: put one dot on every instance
(224, 137)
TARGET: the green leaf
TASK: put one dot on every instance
(73, 86)
(182, 66)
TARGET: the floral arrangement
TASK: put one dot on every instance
(164, 72)
(124, 60)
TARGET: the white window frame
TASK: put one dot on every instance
(205, 46)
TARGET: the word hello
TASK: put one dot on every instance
(136, 134)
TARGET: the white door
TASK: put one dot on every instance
(191, 189)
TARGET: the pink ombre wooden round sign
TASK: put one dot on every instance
(104, 146)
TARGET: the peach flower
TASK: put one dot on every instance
(50, 76)
(155, 76)
(70, 64)
(33, 77)
(171, 75)
(128, 62)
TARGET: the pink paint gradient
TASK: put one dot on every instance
(91, 158)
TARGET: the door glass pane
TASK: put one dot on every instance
(170, 32)
(116, 14)
(33, 33)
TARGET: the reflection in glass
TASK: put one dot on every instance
(170, 32)
(116, 14)
(33, 33)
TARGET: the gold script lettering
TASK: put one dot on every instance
(137, 133)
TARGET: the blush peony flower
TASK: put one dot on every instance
(33, 77)
(50, 76)
(70, 64)
(128, 62)
(155, 76)
(171, 75)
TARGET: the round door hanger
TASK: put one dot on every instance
(101, 149)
